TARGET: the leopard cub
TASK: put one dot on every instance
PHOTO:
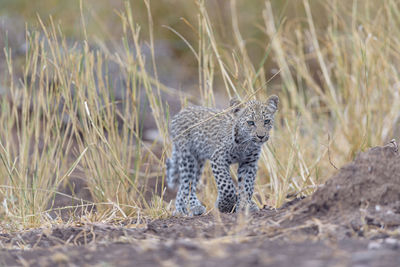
(224, 138)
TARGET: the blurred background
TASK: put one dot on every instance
(103, 28)
(88, 88)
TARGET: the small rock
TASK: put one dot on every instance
(392, 243)
(374, 245)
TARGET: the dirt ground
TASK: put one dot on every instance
(353, 220)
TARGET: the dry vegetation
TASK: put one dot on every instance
(334, 65)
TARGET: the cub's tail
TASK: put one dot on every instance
(172, 170)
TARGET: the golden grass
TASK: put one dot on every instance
(335, 69)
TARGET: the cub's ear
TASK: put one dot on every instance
(272, 103)
(236, 105)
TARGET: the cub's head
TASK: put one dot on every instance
(254, 119)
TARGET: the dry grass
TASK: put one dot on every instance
(334, 66)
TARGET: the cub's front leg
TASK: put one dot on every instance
(227, 198)
(246, 176)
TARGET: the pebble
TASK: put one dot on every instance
(374, 245)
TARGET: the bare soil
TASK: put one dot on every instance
(353, 220)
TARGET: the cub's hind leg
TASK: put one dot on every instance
(186, 202)
(196, 208)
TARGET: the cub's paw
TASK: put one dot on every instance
(178, 213)
(180, 210)
(197, 210)
(226, 205)
(251, 206)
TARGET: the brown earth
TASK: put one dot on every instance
(353, 220)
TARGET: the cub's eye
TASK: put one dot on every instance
(267, 122)
(251, 123)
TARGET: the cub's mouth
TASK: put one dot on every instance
(262, 140)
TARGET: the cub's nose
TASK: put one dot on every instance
(261, 137)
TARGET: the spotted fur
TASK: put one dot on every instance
(224, 138)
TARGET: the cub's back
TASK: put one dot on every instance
(200, 128)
